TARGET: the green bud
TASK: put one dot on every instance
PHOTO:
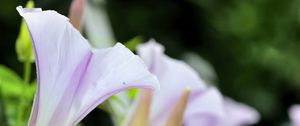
(133, 43)
(23, 43)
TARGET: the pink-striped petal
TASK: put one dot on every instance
(73, 78)
(205, 109)
(238, 114)
(175, 76)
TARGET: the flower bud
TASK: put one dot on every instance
(23, 42)
(76, 13)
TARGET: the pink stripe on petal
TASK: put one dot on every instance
(73, 78)
(175, 76)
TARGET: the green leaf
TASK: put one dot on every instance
(3, 120)
(8, 76)
(11, 88)
(10, 84)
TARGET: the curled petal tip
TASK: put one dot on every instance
(22, 10)
(19, 9)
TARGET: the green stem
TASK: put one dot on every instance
(22, 105)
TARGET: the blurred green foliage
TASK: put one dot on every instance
(252, 44)
(260, 45)
(11, 88)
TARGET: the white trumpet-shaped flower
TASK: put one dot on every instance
(74, 78)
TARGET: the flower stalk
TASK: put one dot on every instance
(143, 109)
(23, 100)
(176, 115)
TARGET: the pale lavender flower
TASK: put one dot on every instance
(204, 105)
(74, 78)
(206, 109)
(238, 114)
(294, 113)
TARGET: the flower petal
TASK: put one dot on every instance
(174, 76)
(205, 109)
(294, 113)
(73, 78)
(238, 114)
(110, 73)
